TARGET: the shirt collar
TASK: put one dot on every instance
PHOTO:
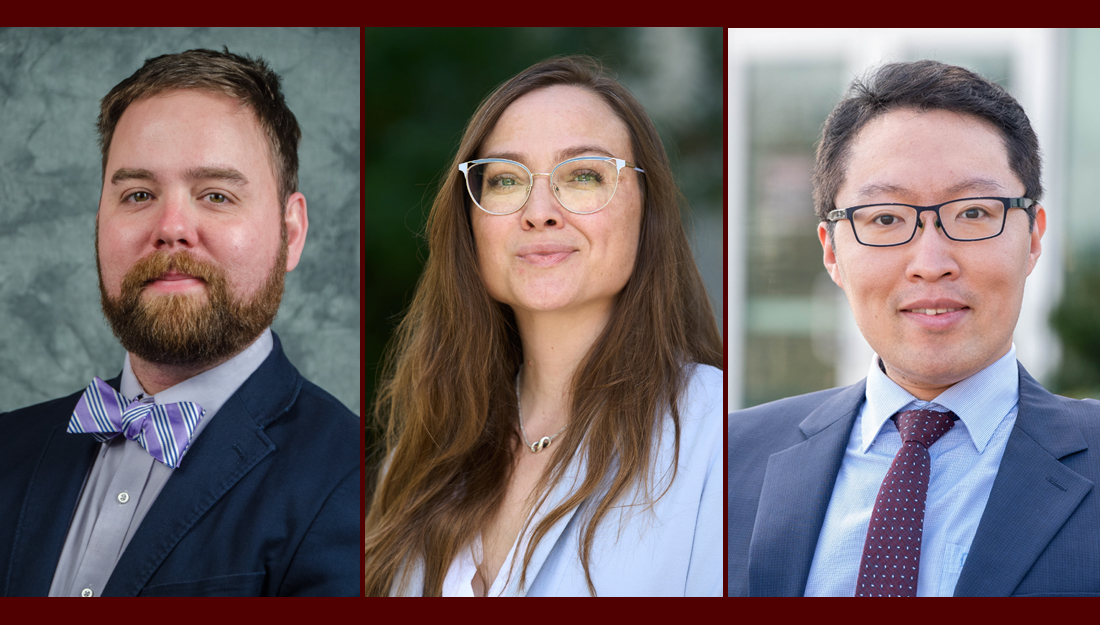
(981, 401)
(209, 389)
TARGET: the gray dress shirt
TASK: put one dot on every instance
(125, 480)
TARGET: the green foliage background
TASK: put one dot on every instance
(1076, 317)
(1076, 322)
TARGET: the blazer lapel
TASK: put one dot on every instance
(230, 446)
(47, 510)
(795, 495)
(1032, 496)
(570, 481)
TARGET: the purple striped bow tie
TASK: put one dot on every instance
(164, 430)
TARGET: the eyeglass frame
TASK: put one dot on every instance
(1025, 203)
(619, 164)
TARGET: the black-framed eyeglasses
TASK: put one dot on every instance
(583, 185)
(965, 219)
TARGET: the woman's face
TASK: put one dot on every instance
(543, 257)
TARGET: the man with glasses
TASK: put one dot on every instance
(948, 470)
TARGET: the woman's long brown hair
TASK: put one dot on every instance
(446, 407)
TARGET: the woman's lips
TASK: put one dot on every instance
(545, 255)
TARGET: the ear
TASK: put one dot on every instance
(829, 255)
(1036, 238)
(297, 223)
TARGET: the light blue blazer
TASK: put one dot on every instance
(673, 548)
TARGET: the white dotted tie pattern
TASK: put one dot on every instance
(891, 553)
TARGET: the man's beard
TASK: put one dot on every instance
(185, 328)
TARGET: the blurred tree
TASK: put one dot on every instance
(1075, 320)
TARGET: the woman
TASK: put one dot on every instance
(551, 405)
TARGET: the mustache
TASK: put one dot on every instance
(155, 265)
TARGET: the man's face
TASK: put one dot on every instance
(925, 158)
(191, 246)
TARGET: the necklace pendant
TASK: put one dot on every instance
(540, 444)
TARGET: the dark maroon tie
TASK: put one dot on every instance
(891, 553)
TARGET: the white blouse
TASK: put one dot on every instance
(673, 548)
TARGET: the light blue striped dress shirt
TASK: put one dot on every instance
(964, 465)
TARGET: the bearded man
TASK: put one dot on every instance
(209, 466)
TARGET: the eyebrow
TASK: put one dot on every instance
(582, 150)
(560, 155)
(126, 173)
(979, 185)
(227, 174)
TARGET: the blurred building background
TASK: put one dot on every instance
(789, 329)
(422, 85)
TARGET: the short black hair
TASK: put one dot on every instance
(923, 85)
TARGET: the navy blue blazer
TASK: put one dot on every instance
(1039, 534)
(266, 501)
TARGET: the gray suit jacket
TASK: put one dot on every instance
(1039, 534)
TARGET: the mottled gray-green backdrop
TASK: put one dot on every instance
(53, 338)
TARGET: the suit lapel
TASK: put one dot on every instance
(1032, 496)
(47, 510)
(230, 446)
(795, 495)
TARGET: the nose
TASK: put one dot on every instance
(932, 254)
(175, 223)
(543, 210)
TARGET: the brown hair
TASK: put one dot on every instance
(245, 79)
(923, 85)
(447, 403)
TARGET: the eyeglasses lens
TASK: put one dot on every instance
(582, 186)
(498, 187)
(963, 220)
